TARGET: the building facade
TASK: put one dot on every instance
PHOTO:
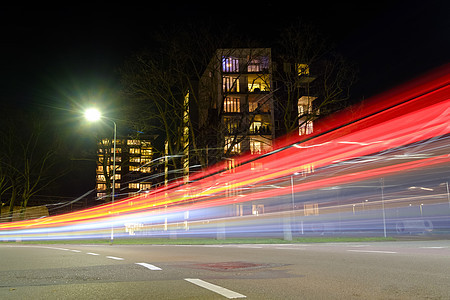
(235, 93)
(133, 167)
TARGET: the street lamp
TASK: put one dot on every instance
(93, 115)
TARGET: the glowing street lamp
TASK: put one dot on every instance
(93, 115)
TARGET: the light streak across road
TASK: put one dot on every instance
(401, 136)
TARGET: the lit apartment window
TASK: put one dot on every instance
(231, 84)
(231, 125)
(258, 83)
(146, 152)
(146, 160)
(305, 128)
(262, 106)
(258, 64)
(302, 69)
(118, 150)
(236, 148)
(255, 127)
(135, 159)
(133, 185)
(135, 151)
(258, 146)
(145, 169)
(230, 64)
(133, 142)
(231, 105)
(133, 168)
(145, 185)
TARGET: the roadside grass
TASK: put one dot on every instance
(208, 241)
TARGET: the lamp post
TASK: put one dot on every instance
(95, 115)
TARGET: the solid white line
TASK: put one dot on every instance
(149, 266)
(116, 258)
(372, 251)
(91, 253)
(215, 288)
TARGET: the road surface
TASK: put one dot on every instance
(369, 270)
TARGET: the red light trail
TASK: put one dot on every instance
(399, 132)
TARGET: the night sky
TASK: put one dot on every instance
(76, 50)
(65, 56)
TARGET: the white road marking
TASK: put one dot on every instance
(75, 251)
(149, 266)
(56, 248)
(116, 258)
(215, 288)
(432, 247)
(91, 253)
(289, 248)
(373, 251)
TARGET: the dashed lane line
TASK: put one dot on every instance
(373, 251)
(115, 258)
(215, 288)
(149, 266)
(92, 253)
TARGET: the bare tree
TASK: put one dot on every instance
(307, 66)
(29, 157)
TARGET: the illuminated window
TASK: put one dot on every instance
(302, 69)
(257, 209)
(311, 209)
(258, 146)
(146, 160)
(258, 64)
(135, 151)
(231, 84)
(254, 104)
(133, 185)
(239, 210)
(232, 105)
(305, 128)
(146, 152)
(145, 185)
(258, 83)
(133, 168)
(135, 159)
(231, 125)
(230, 64)
(236, 147)
(255, 127)
(145, 169)
(133, 142)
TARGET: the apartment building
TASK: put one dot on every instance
(235, 97)
(133, 167)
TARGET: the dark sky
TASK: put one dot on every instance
(66, 56)
(73, 51)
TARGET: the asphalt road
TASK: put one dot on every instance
(376, 270)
